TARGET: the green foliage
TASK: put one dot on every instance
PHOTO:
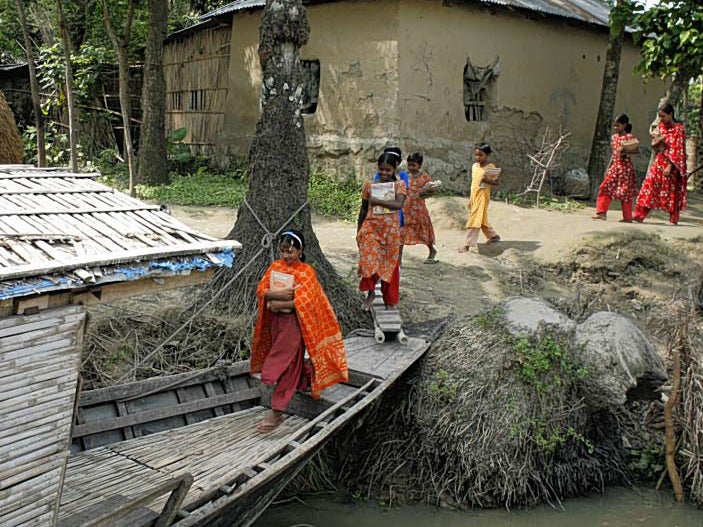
(200, 189)
(546, 201)
(10, 34)
(647, 463)
(443, 387)
(332, 197)
(490, 320)
(546, 362)
(56, 142)
(179, 152)
(671, 37)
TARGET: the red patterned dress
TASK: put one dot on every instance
(418, 226)
(662, 191)
(619, 182)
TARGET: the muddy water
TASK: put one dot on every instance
(616, 508)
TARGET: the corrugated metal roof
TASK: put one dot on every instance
(60, 230)
(13, 67)
(591, 11)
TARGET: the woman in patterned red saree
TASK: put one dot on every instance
(619, 182)
(665, 185)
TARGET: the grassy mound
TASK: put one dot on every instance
(491, 420)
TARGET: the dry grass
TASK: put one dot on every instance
(11, 148)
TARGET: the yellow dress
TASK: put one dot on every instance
(480, 198)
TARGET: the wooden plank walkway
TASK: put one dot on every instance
(214, 452)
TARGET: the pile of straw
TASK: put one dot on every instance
(473, 433)
(11, 148)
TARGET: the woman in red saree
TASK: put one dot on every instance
(378, 236)
(619, 182)
(665, 185)
(293, 317)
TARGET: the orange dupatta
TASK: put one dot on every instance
(318, 325)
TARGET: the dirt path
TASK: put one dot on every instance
(463, 284)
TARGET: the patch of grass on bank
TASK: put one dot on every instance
(206, 188)
(546, 201)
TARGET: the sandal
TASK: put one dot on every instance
(431, 261)
(494, 239)
(599, 216)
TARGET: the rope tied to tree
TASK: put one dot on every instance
(269, 237)
(266, 243)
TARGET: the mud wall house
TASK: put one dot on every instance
(429, 75)
(66, 242)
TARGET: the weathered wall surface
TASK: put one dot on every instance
(391, 73)
(357, 113)
(550, 76)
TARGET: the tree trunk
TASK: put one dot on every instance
(600, 148)
(70, 102)
(279, 171)
(121, 46)
(677, 349)
(34, 85)
(698, 176)
(153, 166)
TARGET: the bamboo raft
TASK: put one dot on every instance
(198, 429)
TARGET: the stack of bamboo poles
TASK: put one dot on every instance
(196, 69)
(39, 363)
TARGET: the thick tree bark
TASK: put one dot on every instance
(34, 85)
(279, 170)
(70, 101)
(600, 148)
(121, 45)
(153, 166)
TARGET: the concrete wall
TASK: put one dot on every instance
(391, 73)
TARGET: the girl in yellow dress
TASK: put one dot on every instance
(480, 198)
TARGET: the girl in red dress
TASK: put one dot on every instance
(665, 185)
(418, 226)
(619, 181)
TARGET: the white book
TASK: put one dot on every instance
(384, 191)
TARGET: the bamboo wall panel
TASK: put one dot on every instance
(39, 365)
(196, 70)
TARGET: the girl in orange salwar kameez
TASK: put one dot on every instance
(290, 321)
(619, 182)
(665, 185)
(417, 229)
(378, 236)
(480, 198)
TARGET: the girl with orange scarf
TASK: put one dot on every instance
(378, 236)
(665, 185)
(294, 316)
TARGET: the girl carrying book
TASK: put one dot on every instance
(619, 182)
(293, 319)
(480, 198)
(418, 226)
(378, 233)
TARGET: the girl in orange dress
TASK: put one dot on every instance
(418, 226)
(619, 182)
(291, 321)
(378, 236)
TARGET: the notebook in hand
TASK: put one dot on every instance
(280, 281)
(384, 191)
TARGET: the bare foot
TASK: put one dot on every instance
(368, 303)
(599, 216)
(433, 253)
(270, 422)
(493, 239)
(638, 220)
(625, 221)
(463, 249)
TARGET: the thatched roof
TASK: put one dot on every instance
(11, 147)
(589, 11)
(60, 230)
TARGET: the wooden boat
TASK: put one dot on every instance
(192, 438)
(179, 450)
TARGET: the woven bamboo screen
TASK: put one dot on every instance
(196, 70)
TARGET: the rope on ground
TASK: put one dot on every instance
(266, 243)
